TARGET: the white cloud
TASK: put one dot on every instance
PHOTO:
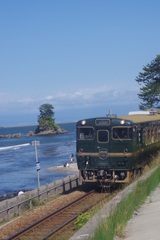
(81, 98)
(26, 100)
(48, 98)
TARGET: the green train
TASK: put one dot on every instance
(115, 149)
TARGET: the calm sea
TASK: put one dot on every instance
(18, 163)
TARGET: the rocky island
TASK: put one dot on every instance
(46, 124)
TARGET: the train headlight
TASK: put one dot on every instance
(83, 122)
(122, 174)
(122, 122)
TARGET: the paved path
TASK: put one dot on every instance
(145, 224)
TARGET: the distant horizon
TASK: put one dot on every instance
(67, 116)
(31, 125)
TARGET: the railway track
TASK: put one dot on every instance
(52, 225)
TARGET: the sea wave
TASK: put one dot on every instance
(18, 158)
(14, 146)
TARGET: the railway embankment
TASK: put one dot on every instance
(87, 231)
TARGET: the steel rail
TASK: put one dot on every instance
(48, 216)
(58, 228)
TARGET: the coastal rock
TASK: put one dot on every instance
(48, 132)
(15, 135)
(52, 132)
(31, 133)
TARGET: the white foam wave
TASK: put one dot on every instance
(14, 146)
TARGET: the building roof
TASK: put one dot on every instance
(138, 118)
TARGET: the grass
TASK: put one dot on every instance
(116, 223)
(82, 220)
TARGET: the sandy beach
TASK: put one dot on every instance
(72, 167)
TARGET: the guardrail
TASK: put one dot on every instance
(13, 207)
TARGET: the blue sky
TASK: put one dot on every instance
(80, 56)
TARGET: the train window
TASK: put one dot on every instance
(85, 133)
(147, 136)
(158, 133)
(139, 136)
(121, 133)
(103, 136)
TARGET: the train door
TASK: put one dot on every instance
(102, 127)
(102, 147)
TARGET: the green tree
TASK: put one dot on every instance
(46, 119)
(150, 81)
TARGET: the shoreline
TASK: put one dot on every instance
(72, 167)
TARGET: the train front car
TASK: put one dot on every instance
(105, 149)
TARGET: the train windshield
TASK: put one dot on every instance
(85, 133)
(119, 133)
(103, 136)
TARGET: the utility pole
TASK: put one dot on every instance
(35, 144)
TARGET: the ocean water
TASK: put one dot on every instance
(18, 158)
